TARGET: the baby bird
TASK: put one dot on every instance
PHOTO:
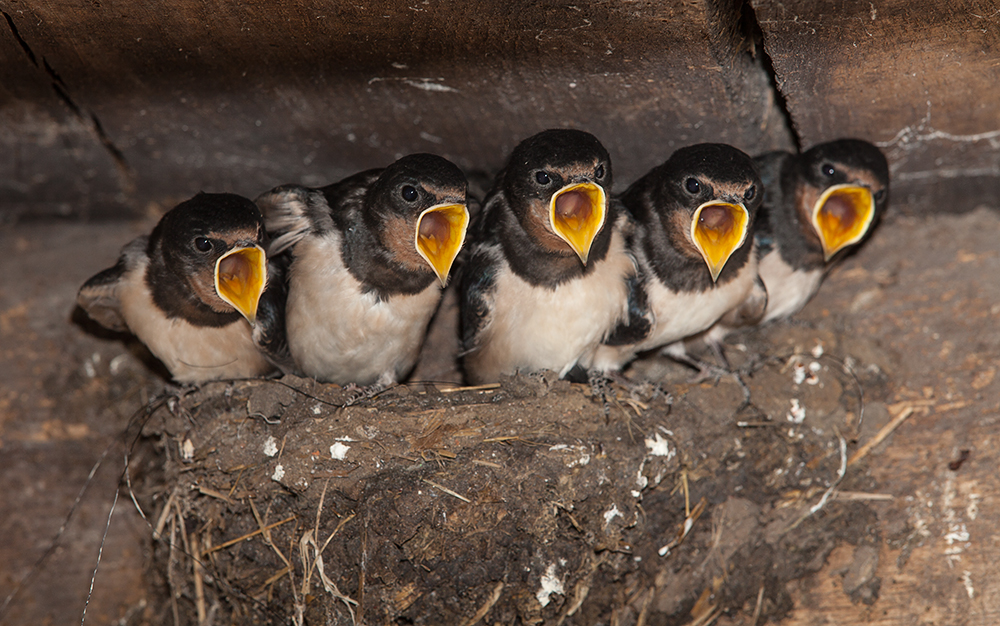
(366, 260)
(190, 290)
(693, 240)
(816, 205)
(548, 276)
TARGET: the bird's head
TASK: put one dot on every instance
(557, 183)
(846, 189)
(419, 209)
(213, 242)
(705, 197)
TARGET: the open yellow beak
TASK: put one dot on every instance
(842, 216)
(440, 236)
(240, 278)
(577, 214)
(719, 229)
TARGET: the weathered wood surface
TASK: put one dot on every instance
(192, 95)
(921, 79)
(105, 106)
(934, 560)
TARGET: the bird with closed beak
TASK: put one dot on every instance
(190, 290)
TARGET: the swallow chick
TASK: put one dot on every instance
(366, 260)
(548, 276)
(190, 290)
(817, 206)
(694, 218)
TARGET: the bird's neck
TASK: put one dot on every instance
(371, 263)
(541, 266)
(681, 272)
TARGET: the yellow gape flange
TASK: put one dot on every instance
(719, 229)
(240, 278)
(440, 235)
(842, 216)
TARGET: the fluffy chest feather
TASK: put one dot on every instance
(682, 314)
(339, 333)
(534, 328)
(788, 289)
(191, 353)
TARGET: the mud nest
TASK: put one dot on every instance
(533, 501)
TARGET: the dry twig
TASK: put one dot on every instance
(263, 529)
(447, 491)
(483, 610)
(905, 410)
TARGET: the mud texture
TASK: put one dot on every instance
(525, 503)
(532, 502)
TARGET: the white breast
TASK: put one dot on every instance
(191, 353)
(788, 290)
(340, 334)
(678, 315)
(533, 328)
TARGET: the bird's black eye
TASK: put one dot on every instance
(542, 178)
(828, 170)
(203, 244)
(750, 193)
(599, 172)
(409, 193)
(692, 185)
(879, 195)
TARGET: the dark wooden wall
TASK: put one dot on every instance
(108, 105)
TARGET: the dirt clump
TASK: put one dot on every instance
(532, 501)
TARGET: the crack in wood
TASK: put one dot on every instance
(766, 64)
(88, 118)
(17, 35)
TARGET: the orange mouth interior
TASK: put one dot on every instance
(440, 236)
(577, 214)
(240, 278)
(719, 229)
(842, 216)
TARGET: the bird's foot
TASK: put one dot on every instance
(600, 387)
(639, 390)
(172, 395)
(356, 394)
(709, 371)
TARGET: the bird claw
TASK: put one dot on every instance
(708, 371)
(357, 394)
(600, 386)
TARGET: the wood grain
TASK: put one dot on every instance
(919, 78)
(219, 96)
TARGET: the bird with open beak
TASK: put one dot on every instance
(548, 275)
(817, 206)
(366, 260)
(693, 240)
(190, 290)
